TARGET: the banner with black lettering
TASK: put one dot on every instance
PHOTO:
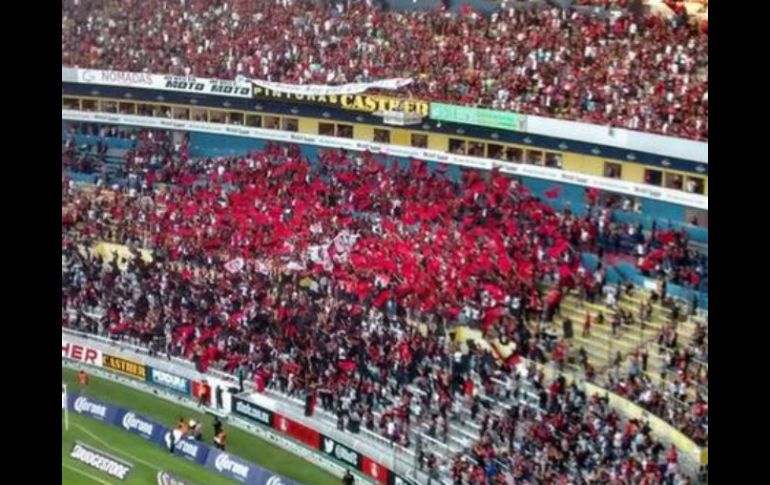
(184, 84)
(340, 452)
(253, 412)
(325, 90)
(125, 366)
(376, 104)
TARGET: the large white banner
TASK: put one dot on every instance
(162, 82)
(324, 90)
(241, 87)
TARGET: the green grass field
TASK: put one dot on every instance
(148, 458)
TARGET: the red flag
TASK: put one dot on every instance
(383, 297)
(502, 256)
(388, 226)
(592, 194)
(477, 188)
(484, 262)
(564, 271)
(558, 248)
(490, 316)
(694, 278)
(513, 360)
(406, 352)
(525, 270)
(428, 304)
(358, 261)
(510, 227)
(362, 289)
(494, 291)
(666, 237)
(553, 192)
(505, 262)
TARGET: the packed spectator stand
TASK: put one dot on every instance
(366, 324)
(347, 276)
(646, 73)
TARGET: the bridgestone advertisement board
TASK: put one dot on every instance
(100, 460)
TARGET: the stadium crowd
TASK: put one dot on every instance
(658, 253)
(310, 277)
(602, 3)
(574, 439)
(680, 395)
(648, 73)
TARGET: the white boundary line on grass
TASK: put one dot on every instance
(315, 458)
(116, 450)
(92, 477)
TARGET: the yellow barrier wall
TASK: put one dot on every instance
(308, 125)
(574, 162)
(363, 132)
(438, 142)
(400, 137)
(633, 172)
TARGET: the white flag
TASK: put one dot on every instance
(295, 266)
(235, 265)
(261, 267)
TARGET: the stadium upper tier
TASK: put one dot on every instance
(648, 74)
